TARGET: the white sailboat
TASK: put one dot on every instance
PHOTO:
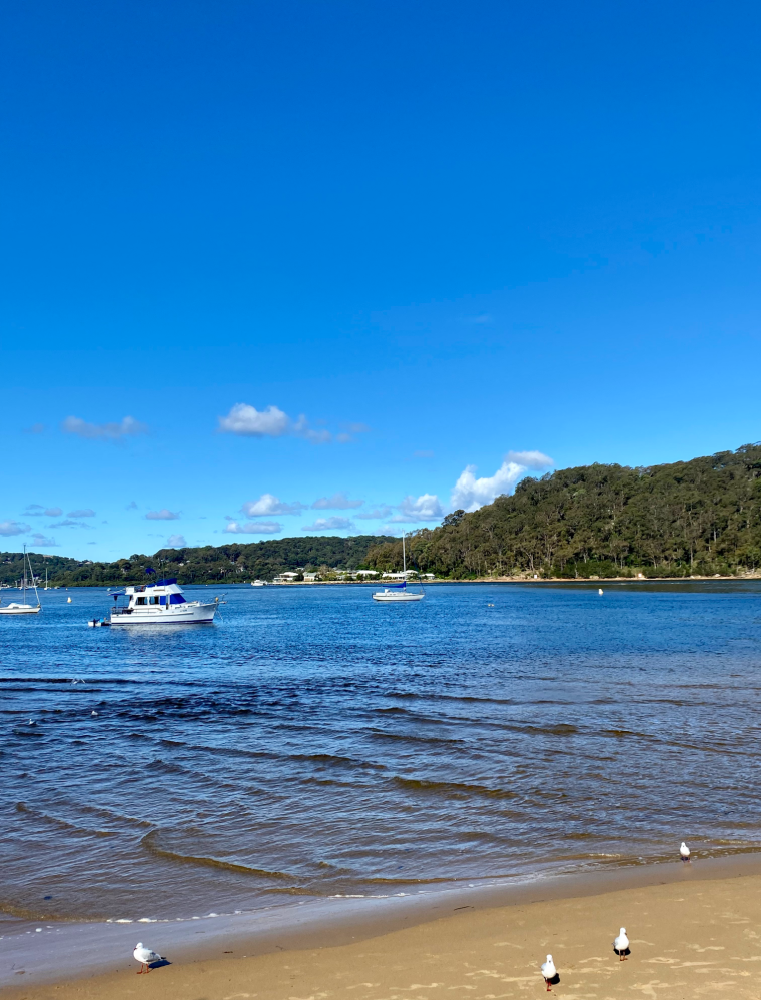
(24, 608)
(398, 593)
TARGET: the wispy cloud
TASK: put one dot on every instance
(269, 506)
(376, 513)
(253, 528)
(42, 542)
(176, 542)
(339, 501)
(470, 493)
(9, 528)
(34, 429)
(162, 515)
(86, 512)
(131, 505)
(37, 510)
(127, 427)
(328, 524)
(423, 453)
(68, 523)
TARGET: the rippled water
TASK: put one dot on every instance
(315, 743)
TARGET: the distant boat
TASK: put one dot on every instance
(24, 609)
(259, 583)
(398, 592)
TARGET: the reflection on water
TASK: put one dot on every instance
(317, 743)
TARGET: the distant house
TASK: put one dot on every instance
(400, 576)
(310, 577)
(288, 577)
(367, 572)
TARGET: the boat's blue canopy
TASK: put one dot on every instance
(397, 586)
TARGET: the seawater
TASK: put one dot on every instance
(315, 743)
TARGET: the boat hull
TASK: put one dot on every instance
(175, 614)
(397, 598)
(21, 609)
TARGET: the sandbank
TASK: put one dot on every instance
(695, 931)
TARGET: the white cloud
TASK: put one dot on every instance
(113, 431)
(339, 501)
(41, 542)
(470, 493)
(75, 513)
(247, 420)
(71, 524)
(53, 512)
(162, 515)
(176, 542)
(131, 505)
(531, 459)
(425, 508)
(8, 528)
(269, 506)
(253, 528)
(376, 514)
(273, 422)
(328, 524)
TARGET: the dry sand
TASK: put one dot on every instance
(689, 939)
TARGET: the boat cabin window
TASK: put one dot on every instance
(154, 600)
(140, 600)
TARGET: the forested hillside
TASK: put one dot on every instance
(230, 563)
(700, 517)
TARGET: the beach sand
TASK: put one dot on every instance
(689, 938)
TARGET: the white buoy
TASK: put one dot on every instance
(93, 713)
(684, 852)
(145, 957)
(68, 600)
(600, 591)
(621, 945)
(549, 971)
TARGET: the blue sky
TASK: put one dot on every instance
(273, 268)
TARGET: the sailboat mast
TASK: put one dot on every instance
(404, 555)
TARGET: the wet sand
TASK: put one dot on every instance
(697, 934)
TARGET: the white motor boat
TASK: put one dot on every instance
(259, 583)
(24, 608)
(398, 592)
(160, 603)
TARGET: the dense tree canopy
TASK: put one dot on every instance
(686, 518)
(231, 563)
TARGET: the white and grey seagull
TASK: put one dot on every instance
(549, 971)
(145, 957)
(621, 945)
(684, 852)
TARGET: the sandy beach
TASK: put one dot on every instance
(694, 937)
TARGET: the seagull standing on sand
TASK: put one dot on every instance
(621, 945)
(684, 851)
(549, 971)
(145, 957)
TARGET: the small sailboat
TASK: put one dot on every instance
(398, 592)
(24, 608)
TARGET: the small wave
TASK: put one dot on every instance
(61, 824)
(451, 789)
(148, 842)
(334, 759)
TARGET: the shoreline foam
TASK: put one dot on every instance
(67, 952)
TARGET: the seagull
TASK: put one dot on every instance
(93, 713)
(145, 957)
(621, 945)
(685, 852)
(549, 971)
(599, 591)
(31, 723)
